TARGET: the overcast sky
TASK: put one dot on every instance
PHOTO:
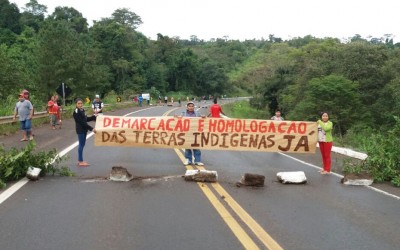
(248, 19)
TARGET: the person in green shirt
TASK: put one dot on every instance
(325, 141)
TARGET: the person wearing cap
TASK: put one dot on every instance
(24, 109)
(97, 106)
(189, 153)
(27, 96)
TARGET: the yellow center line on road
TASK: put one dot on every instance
(261, 234)
(169, 111)
(237, 230)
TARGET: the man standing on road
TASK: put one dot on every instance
(24, 109)
(27, 96)
(97, 106)
(190, 112)
(140, 100)
(216, 110)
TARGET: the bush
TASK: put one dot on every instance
(15, 163)
(383, 161)
(243, 110)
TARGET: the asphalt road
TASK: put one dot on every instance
(159, 210)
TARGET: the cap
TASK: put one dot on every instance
(25, 91)
(189, 103)
(97, 96)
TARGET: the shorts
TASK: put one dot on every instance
(53, 119)
(26, 125)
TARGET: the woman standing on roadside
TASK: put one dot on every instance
(82, 127)
(325, 141)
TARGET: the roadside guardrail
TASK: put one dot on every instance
(41, 114)
(9, 119)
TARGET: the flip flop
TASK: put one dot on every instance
(83, 164)
(24, 140)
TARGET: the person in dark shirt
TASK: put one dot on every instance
(97, 106)
(82, 127)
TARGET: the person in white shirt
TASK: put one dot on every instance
(277, 116)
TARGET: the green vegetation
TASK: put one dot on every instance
(243, 110)
(15, 163)
(383, 152)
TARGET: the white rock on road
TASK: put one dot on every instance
(297, 177)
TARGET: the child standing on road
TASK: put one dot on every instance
(52, 109)
(82, 127)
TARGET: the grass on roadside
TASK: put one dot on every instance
(242, 110)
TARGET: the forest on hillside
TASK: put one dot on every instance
(357, 81)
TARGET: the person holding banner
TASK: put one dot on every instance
(82, 127)
(189, 153)
(277, 116)
(325, 141)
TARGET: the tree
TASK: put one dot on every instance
(127, 18)
(60, 55)
(73, 17)
(121, 50)
(36, 9)
(33, 15)
(183, 71)
(211, 79)
(10, 73)
(9, 16)
(334, 94)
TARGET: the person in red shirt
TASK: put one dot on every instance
(216, 110)
(52, 109)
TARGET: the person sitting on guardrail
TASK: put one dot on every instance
(82, 127)
(24, 109)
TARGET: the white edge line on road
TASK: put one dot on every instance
(341, 176)
(14, 188)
